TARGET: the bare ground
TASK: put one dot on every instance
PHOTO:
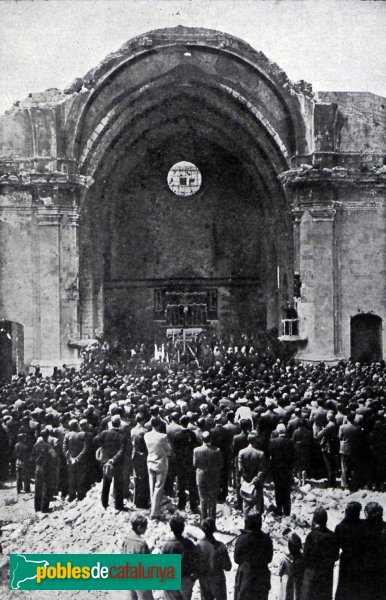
(85, 527)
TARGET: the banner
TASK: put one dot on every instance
(95, 572)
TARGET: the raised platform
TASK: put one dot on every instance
(186, 333)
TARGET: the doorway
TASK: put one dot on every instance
(11, 349)
(366, 338)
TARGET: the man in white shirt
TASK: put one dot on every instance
(158, 448)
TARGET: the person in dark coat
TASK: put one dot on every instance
(329, 445)
(321, 551)
(282, 461)
(172, 428)
(267, 425)
(239, 442)
(349, 533)
(91, 464)
(294, 421)
(222, 439)
(252, 468)
(234, 429)
(208, 462)
(303, 439)
(183, 443)
(75, 452)
(230, 425)
(112, 442)
(253, 553)
(139, 459)
(373, 547)
(350, 439)
(215, 559)
(41, 455)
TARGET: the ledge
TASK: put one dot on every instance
(292, 338)
(82, 343)
(308, 174)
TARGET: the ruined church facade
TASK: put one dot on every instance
(185, 182)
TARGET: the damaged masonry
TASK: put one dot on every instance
(290, 208)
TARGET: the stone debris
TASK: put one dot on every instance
(85, 527)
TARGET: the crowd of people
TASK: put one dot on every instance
(206, 432)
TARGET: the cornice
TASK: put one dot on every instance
(308, 175)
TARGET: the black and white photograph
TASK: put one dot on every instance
(193, 299)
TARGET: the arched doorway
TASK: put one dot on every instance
(366, 337)
(143, 247)
(11, 349)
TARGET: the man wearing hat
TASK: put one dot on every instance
(282, 462)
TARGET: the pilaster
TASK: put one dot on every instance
(43, 208)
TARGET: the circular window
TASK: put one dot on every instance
(184, 178)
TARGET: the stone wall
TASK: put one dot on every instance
(362, 259)
(38, 270)
(351, 122)
(268, 150)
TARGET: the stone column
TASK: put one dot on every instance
(316, 307)
(58, 292)
(296, 218)
(69, 276)
(48, 221)
(86, 283)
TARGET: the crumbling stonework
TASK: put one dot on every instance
(293, 182)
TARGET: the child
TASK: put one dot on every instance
(292, 570)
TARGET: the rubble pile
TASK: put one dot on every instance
(85, 527)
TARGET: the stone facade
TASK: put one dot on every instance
(292, 183)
